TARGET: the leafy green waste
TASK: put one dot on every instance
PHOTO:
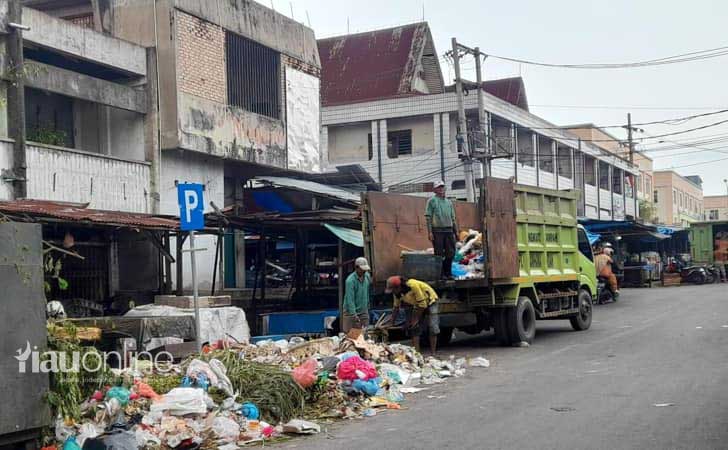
(271, 389)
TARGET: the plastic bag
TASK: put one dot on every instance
(182, 401)
(116, 440)
(71, 444)
(305, 374)
(250, 411)
(145, 390)
(120, 393)
(226, 429)
(369, 387)
(86, 431)
(223, 382)
(348, 369)
(63, 431)
(479, 362)
(198, 367)
(144, 437)
(394, 394)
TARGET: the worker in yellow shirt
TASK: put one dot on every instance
(425, 310)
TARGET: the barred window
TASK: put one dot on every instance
(253, 76)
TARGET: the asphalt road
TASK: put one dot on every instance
(651, 373)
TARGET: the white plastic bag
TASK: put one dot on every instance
(479, 362)
(181, 401)
(86, 431)
(223, 382)
(226, 429)
(196, 366)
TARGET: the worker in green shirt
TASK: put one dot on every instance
(356, 297)
(442, 227)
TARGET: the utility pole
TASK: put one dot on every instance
(462, 136)
(629, 138)
(482, 125)
(16, 97)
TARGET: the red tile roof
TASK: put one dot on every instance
(372, 65)
(75, 212)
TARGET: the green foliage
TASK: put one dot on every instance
(52, 268)
(648, 211)
(48, 136)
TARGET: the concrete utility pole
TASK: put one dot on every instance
(482, 123)
(16, 98)
(629, 138)
(462, 136)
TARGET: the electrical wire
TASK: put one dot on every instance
(680, 58)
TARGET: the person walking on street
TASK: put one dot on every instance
(442, 227)
(425, 308)
(356, 297)
(720, 256)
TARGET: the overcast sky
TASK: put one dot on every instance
(574, 32)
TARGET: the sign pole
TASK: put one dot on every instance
(195, 293)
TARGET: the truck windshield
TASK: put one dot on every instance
(584, 246)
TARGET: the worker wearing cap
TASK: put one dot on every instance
(356, 297)
(442, 227)
(603, 263)
(425, 309)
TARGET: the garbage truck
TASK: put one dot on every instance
(706, 238)
(538, 264)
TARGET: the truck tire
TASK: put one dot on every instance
(500, 327)
(582, 320)
(521, 321)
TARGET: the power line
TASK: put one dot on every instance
(674, 121)
(618, 107)
(684, 57)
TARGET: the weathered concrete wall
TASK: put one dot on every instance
(76, 85)
(127, 134)
(201, 58)
(83, 43)
(230, 132)
(60, 174)
(191, 167)
(302, 120)
(6, 164)
(259, 23)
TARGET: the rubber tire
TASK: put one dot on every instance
(500, 327)
(579, 322)
(520, 330)
(698, 278)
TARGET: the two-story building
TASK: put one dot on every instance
(678, 199)
(385, 106)
(716, 207)
(127, 98)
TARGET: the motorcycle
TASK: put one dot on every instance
(688, 274)
(713, 273)
(604, 292)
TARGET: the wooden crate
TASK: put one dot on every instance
(671, 279)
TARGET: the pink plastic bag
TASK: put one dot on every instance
(305, 374)
(349, 367)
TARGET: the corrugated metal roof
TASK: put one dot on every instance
(74, 212)
(310, 186)
(372, 65)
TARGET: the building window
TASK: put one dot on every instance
(674, 196)
(399, 143)
(49, 118)
(253, 76)
(524, 141)
(370, 147)
(654, 195)
(545, 154)
(563, 161)
(713, 214)
(458, 184)
(648, 183)
(590, 177)
(603, 175)
(616, 180)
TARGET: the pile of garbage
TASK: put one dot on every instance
(231, 395)
(469, 260)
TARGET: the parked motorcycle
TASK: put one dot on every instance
(688, 273)
(713, 273)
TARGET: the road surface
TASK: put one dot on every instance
(651, 373)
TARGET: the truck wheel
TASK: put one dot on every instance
(500, 326)
(582, 320)
(521, 321)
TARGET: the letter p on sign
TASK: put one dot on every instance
(191, 206)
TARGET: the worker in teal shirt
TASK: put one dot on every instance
(442, 227)
(356, 297)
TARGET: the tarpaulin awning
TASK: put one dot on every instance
(353, 237)
(624, 228)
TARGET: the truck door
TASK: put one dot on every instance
(500, 226)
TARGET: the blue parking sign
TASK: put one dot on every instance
(191, 206)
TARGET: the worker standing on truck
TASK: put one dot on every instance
(425, 309)
(356, 297)
(603, 262)
(442, 227)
